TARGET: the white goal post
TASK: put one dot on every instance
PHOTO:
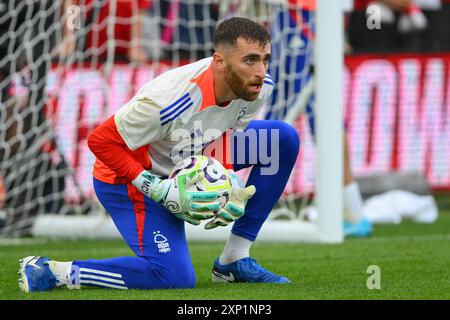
(329, 69)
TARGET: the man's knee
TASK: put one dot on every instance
(289, 140)
(281, 132)
(182, 278)
(177, 276)
(185, 277)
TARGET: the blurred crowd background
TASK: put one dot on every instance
(43, 37)
(405, 26)
(162, 29)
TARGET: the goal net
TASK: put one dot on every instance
(65, 66)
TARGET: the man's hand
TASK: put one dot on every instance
(235, 207)
(175, 195)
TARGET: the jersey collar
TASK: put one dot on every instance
(205, 82)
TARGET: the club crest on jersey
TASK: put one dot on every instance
(161, 241)
(242, 112)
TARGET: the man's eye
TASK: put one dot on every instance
(249, 61)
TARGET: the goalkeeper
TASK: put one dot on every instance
(138, 146)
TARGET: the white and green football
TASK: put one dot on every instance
(215, 176)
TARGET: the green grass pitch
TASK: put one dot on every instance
(414, 262)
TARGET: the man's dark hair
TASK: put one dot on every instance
(229, 30)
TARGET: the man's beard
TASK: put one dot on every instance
(238, 86)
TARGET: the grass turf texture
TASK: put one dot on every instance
(414, 260)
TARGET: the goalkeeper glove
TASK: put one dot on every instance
(235, 207)
(175, 194)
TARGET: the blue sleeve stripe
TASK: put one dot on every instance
(178, 114)
(268, 76)
(175, 109)
(268, 82)
(174, 104)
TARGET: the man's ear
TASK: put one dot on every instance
(219, 61)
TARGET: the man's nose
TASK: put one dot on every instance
(261, 71)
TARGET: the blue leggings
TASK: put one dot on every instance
(158, 238)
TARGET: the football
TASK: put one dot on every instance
(215, 176)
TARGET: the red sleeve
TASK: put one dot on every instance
(108, 146)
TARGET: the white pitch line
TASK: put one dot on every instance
(424, 237)
(20, 241)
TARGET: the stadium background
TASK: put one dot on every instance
(395, 107)
(397, 112)
(396, 99)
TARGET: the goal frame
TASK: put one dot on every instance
(327, 85)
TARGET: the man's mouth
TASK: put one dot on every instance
(255, 87)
